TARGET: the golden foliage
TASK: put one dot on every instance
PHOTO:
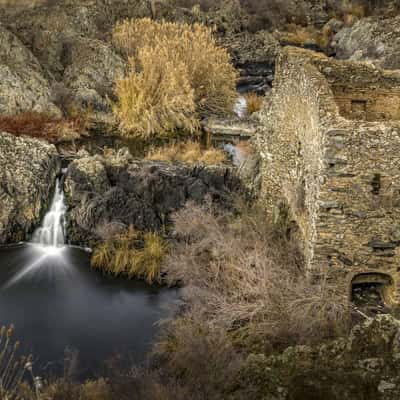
(157, 100)
(134, 254)
(300, 35)
(189, 152)
(254, 103)
(176, 73)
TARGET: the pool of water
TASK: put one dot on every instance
(56, 302)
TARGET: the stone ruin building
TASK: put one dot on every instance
(330, 155)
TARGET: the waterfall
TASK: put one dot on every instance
(236, 154)
(52, 231)
(240, 107)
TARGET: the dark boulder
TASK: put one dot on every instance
(120, 190)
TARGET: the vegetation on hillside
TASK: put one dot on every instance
(43, 126)
(245, 295)
(188, 152)
(176, 74)
(12, 366)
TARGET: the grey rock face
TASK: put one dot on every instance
(92, 73)
(28, 168)
(23, 85)
(69, 43)
(372, 39)
(254, 55)
(118, 189)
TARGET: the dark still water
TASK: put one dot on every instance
(56, 302)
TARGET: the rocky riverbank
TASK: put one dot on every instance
(28, 168)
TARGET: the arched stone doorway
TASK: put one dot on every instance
(372, 286)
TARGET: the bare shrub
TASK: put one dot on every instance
(43, 126)
(189, 152)
(63, 389)
(12, 366)
(250, 280)
(201, 360)
(177, 72)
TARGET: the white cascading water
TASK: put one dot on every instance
(240, 107)
(48, 241)
(236, 154)
(52, 231)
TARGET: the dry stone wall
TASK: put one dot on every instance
(336, 177)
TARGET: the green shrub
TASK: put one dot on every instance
(176, 73)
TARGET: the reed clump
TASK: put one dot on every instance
(189, 152)
(12, 366)
(177, 73)
(133, 254)
(254, 103)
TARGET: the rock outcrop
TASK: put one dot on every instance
(254, 55)
(23, 85)
(363, 366)
(69, 41)
(103, 191)
(372, 39)
(28, 168)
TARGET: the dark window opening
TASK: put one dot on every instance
(372, 290)
(358, 106)
(376, 184)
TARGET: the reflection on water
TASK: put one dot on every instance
(56, 302)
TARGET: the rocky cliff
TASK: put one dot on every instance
(117, 190)
(28, 168)
(376, 40)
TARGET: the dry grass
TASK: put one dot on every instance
(254, 103)
(158, 99)
(188, 152)
(250, 280)
(12, 366)
(63, 389)
(177, 73)
(45, 127)
(301, 35)
(132, 254)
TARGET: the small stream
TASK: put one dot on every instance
(58, 303)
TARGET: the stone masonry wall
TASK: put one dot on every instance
(338, 177)
(291, 146)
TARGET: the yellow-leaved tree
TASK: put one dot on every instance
(177, 73)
